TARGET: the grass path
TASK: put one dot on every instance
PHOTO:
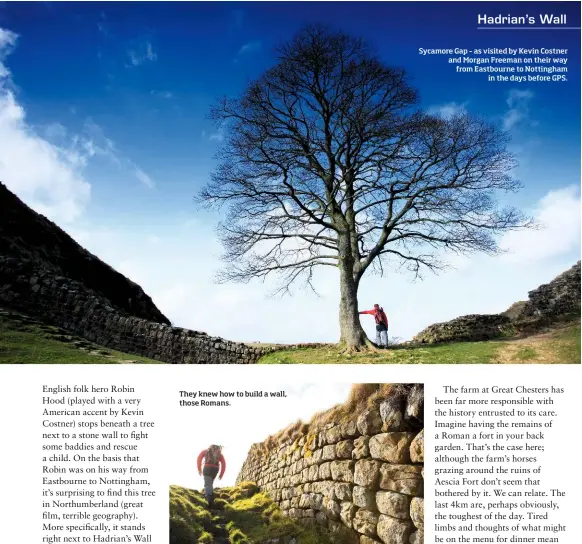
(558, 346)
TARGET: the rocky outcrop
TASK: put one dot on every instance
(547, 304)
(32, 239)
(560, 297)
(362, 475)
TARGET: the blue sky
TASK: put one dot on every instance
(103, 125)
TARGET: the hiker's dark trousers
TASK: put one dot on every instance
(209, 474)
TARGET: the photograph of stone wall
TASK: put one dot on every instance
(359, 475)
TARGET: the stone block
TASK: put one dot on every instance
(325, 471)
(361, 448)
(405, 479)
(343, 492)
(417, 448)
(393, 504)
(347, 512)
(394, 531)
(329, 452)
(391, 447)
(367, 472)
(369, 422)
(417, 512)
(414, 413)
(349, 429)
(333, 435)
(364, 497)
(392, 412)
(342, 471)
(343, 449)
(365, 522)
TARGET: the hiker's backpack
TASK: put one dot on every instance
(380, 315)
(212, 456)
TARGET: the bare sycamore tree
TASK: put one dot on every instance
(327, 163)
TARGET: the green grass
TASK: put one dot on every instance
(245, 516)
(559, 346)
(469, 352)
(566, 344)
(190, 519)
(26, 341)
(525, 354)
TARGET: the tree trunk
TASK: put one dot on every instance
(352, 334)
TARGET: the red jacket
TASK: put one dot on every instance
(221, 462)
(378, 314)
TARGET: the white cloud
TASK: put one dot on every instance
(247, 49)
(47, 177)
(7, 43)
(217, 135)
(102, 24)
(446, 111)
(105, 147)
(143, 52)
(44, 166)
(518, 113)
(558, 214)
(143, 177)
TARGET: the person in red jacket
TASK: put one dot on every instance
(213, 462)
(381, 325)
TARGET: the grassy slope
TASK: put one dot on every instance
(243, 515)
(24, 340)
(559, 346)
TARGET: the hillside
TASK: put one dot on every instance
(30, 241)
(25, 340)
(242, 515)
(46, 275)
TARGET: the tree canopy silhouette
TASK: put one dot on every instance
(328, 162)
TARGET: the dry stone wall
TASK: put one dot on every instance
(72, 306)
(362, 477)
